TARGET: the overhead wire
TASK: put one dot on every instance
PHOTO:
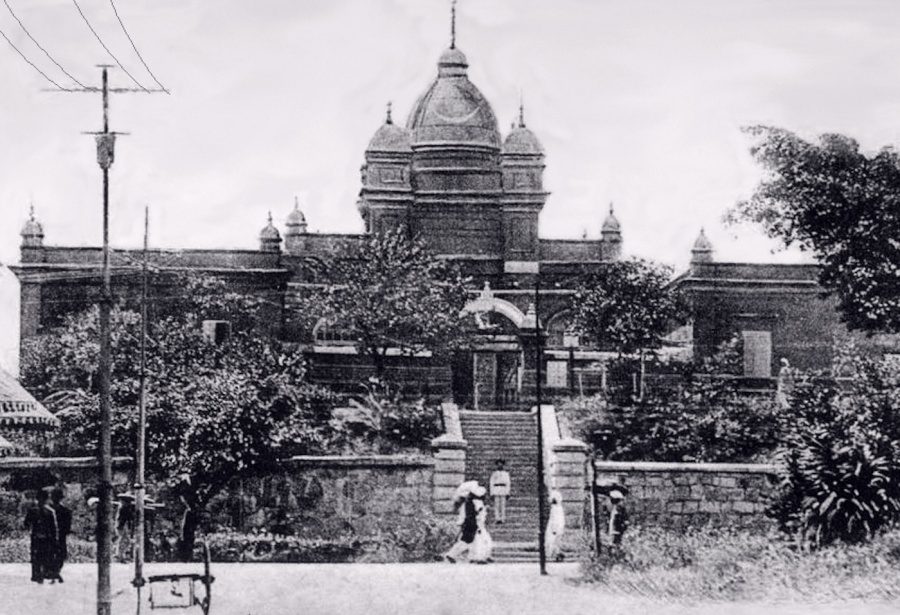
(131, 40)
(102, 44)
(39, 46)
(33, 65)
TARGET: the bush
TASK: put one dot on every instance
(415, 540)
(840, 461)
(723, 564)
(18, 550)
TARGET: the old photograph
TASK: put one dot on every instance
(449, 307)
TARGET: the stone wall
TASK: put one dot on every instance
(685, 494)
(323, 495)
(78, 476)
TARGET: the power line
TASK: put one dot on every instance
(130, 40)
(102, 44)
(33, 65)
(47, 53)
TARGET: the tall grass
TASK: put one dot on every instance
(722, 564)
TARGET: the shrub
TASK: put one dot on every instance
(17, 549)
(414, 540)
(840, 461)
(264, 547)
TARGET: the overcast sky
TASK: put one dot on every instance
(639, 102)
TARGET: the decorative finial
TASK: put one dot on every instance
(270, 217)
(521, 111)
(453, 24)
(296, 203)
(610, 208)
(31, 211)
(388, 119)
(584, 233)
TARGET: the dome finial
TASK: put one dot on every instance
(388, 119)
(296, 203)
(31, 211)
(611, 209)
(270, 216)
(521, 110)
(453, 24)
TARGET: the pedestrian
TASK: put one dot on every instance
(468, 524)
(500, 484)
(556, 526)
(64, 528)
(41, 520)
(618, 517)
(482, 545)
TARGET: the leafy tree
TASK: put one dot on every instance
(627, 307)
(390, 292)
(214, 411)
(842, 205)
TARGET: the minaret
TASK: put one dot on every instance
(269, 238)
(611, 237)
(702, 252)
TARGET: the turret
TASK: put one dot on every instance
(611, 237)
(269, 238)
(295, 229)
(32, 232)
(702, 252)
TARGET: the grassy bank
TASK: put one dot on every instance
(710, 564)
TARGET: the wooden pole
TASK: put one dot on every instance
(542, 552)
(140, 454)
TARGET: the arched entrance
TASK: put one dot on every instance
(487, 375)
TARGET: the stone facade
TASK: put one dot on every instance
(691, 494)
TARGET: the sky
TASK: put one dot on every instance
(640, 103)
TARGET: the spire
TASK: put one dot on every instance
(388, 119)
(297, 201)
(521, 111)
(453, 24)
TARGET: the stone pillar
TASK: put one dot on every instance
(449, 452)
(568, 475)
(29, 310)
(449, 472)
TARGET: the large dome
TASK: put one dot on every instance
(452, 110)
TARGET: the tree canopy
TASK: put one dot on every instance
(214, 410)
(627, 306)
(391, 292)
(841, 204)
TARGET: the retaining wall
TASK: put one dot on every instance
(684, 494)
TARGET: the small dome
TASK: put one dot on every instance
(269, 232)
(296, 217)
(32, 227)
(452, 62)
(390, 138)
(522, 141)
(611, 224)
(702, 244)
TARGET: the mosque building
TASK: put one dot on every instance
(475, 196)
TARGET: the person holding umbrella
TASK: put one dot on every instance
(464, 499)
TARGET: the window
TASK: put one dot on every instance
(557, 374)
(757, 353)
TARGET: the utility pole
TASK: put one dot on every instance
(106, 141)
(539, 352)
(140, 455)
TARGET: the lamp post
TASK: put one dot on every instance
(539, 347)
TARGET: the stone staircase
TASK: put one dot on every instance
(511, 436)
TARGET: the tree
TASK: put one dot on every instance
(214, 411)
(627, 307)
(390, 292)
(842, 205)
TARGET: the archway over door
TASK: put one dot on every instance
(488, 374)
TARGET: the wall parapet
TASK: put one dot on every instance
(358, 461)
(663, 466)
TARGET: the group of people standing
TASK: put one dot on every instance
(50, 523)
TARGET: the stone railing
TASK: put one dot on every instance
(681, 494)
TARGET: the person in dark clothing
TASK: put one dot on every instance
(618, 517)
(64, 528)
(41, 520)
